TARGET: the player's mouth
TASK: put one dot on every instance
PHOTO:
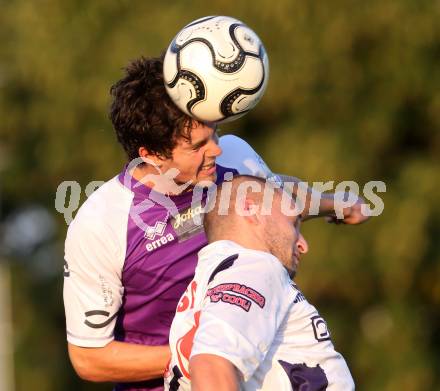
(208, 169)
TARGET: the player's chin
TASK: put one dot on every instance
(207, 175)
(292, 273)
(293, 267)
(206, 181)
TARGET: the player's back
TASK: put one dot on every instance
(243, 306)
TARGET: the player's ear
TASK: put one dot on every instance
(149, 158)
(250, 211)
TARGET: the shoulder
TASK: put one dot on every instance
(111, 196)
(239, 155)
(265, 264)
(254, 267)
(109, 202)
(102, 217)
(232, 143)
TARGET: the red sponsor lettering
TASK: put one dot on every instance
(236, 300)
(241, 289)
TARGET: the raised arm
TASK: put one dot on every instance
(329, 205)
(239, 155)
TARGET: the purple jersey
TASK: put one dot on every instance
(129, 258)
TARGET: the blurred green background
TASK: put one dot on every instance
(354, 94)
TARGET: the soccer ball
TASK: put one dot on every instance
(216, 69)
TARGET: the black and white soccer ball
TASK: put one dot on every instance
(216, 69)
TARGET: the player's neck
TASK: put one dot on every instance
(151, 177)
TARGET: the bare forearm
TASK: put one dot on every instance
(311, 203)
(340, 207)
(213, 373)
(119, 362)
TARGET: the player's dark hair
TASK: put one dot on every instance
(143, 114)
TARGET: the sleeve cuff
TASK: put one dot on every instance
(88, 342)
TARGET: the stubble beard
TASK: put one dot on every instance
(280, 247)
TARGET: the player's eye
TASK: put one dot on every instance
(198, 145)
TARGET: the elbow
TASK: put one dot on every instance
(89, 375)
(85, 370)
(84, 366)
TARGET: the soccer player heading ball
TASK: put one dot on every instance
(132, 248)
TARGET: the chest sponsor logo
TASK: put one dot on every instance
(188, 222)
(320, 329)
(236, 294)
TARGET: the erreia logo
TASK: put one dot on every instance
(155, 244)
(158, 229)
(187, 215)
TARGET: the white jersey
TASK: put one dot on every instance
(242, 306)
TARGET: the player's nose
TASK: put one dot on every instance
(302, 245)
(214, 149)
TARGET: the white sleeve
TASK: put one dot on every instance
(92, 284)
(241, 313)
(238, 154)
